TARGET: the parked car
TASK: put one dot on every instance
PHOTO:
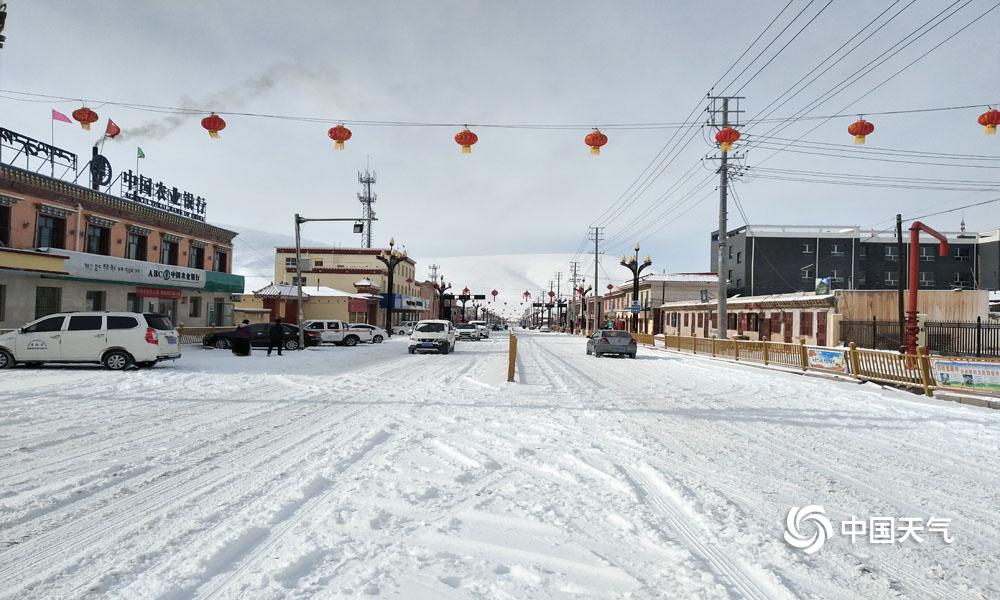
(544, 329)
(484, 329)
(405, 327)
(260, 337)
(467, 331)
(338, 332)
(437, 335)
(610, 341)
(378, 334)
(117, 340)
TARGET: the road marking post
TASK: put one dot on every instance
(511, 357)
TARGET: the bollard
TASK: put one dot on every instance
(511, 358)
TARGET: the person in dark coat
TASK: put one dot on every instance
(241, 339)
(274, 336)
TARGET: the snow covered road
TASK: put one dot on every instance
(368, 471)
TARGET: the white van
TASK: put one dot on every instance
(117, 340)
(484, 329)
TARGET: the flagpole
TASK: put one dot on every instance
(52, 142)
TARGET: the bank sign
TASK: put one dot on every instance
(110, 268)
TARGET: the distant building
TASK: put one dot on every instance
(777, 259)
(66, 247)
(654, 290)
(341, 268)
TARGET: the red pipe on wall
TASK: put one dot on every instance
(912, 328)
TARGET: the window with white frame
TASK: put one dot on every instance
(927, 253)
(891, 278)
(807, 248)
(926, 278)
(290, 261)
(836, 250)
(891, 253)
(962, 279)
(962, 254)
(836, 276)
(807, 272)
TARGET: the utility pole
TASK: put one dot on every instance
(901, 284)
(573, 267)
(720, 107)
(367, 198)
(597, 235)
(558, 298)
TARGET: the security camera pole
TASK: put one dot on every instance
(298, 266)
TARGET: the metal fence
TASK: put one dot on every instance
(953, 338)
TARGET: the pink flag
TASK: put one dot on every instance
(58, 116)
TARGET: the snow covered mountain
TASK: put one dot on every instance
(509, 274)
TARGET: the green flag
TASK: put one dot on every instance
(139, 153)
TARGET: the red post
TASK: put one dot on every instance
(914, 283)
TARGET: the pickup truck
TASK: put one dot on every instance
(338, 332)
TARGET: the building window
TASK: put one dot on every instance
(98, 240)
(836, 250)
(317, 263)
(961, 280)
(194, 307)
(295, 280)
(730, 277)
(290, 261)
(196, 257)
(739, 283)
(219, 261)
(135, 246)
(48, 300)
(863, 278)
(926, 279)
(807, 248)
(730, 251)
(51, 232)
(132, 303)
(927, 253)
(891, 253)
(731, 321)
(807, 272)
(739, 257)
(962, 254)
(168, 252)
(95, 300)
(805, 323)
(862, 252)
(891, 278)
(836, 277)
(5, 225)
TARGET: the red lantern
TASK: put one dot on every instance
(859, 129)
(610, 287)
(465, 291)
(339, 135)
(214, 124)
(466, 139)
(85, 116)
(989, 119)
(727, 137)
(581, 291)
(494, 294)
(595, 139)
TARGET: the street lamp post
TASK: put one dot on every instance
(633, 264)
(444, 287)
(390, 259)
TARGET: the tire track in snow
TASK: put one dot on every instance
(737, 577)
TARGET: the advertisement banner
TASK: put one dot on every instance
(827, 359)
(110, 268)
(967, 375)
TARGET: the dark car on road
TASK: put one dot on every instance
(289, 341)
(610, 341)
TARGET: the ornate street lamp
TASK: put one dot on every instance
(442, 288)
(390, 259)
(633, 264)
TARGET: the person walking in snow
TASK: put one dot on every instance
(241, 339)
(274, 336)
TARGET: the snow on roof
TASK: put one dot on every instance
(307, 291)
(765, 301)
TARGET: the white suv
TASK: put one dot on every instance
(405, 328)
(117, 340)
(484, 329)
(436, 335)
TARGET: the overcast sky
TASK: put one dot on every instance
(528, 62)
